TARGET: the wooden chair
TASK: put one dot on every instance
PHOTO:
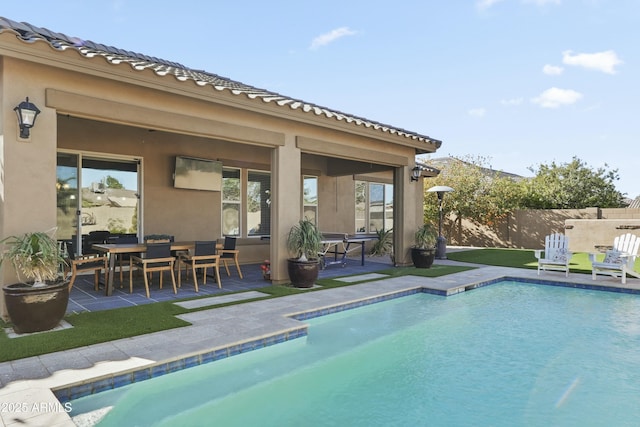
(156, 258)
(122, 259)
(619, 261)
(556, 254)
(229, 252)
(204, 256)
(82, 263)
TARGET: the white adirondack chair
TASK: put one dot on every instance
(619, 261)
(556, 254)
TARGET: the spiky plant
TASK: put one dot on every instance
(304, 240)
(36, 256)
(426, 237)
(384, 244)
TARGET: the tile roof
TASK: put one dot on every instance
(161, 67)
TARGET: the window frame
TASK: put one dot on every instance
(315, 205)
(387, 204)
(224, 202)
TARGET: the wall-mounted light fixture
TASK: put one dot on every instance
(27, 113)
(416, 173)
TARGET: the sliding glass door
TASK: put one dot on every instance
(96, 193)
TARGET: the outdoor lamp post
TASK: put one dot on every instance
(441, 246)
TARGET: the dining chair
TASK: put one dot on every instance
(94, 237)
(123, 258)
(82, 263)
(203, 256)
(156, 258)
(229, 252)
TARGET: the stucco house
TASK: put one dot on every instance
(116, 127)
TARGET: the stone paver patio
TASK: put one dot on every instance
(27, 383)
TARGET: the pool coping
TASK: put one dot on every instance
(71, 383)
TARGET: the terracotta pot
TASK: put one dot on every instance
(36, 309)
(303, 274)
(423, 258)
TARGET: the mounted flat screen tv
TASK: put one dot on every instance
(198, 174)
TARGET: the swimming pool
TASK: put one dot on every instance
(504, 355)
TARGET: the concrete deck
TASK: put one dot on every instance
(26, 393)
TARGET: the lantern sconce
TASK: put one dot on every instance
(27, 114)
(416, 173)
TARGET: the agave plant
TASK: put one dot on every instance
(36, 256)
(304, 240)
(384, 244)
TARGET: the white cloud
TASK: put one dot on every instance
(331, 36)
(552, 70)
(554, 98)
(601, 61)
(512, 101)
(477, 112)
(486, 4)
(543, 2)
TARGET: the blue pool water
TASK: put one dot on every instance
(510, 354)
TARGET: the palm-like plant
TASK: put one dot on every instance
(34, 255)
(384, 244)
(304, 240)
(425, 237)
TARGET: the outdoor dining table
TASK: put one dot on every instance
(114, 249)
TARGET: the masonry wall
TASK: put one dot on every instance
(588, 229)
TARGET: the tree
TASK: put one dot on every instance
(112, 182)
(480, 194)
(572, 185)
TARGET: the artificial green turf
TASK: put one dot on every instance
(94, 328)
(108, 325)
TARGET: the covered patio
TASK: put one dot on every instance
(85, 298)
(114, 126)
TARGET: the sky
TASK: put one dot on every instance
(518, 83)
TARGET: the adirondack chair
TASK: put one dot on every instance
(556, 254)
(619, 261)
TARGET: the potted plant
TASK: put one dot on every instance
(384, 245)
(40, 301)
(304, 242)
(424, 251)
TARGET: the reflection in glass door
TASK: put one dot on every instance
(104, 198)
(67, 195)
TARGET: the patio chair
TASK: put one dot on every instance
(204, 256)
(229, 252)
(556, 254)
(94, 237)
(156, 258)
(84, 263)
(618, 261)
(122, 259)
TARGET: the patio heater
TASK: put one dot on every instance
(441, 246)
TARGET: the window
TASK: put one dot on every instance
(231, 206)
(310, 198)
(374, 206)
(259, 203)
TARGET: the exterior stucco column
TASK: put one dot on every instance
(408, 213)
(28, 168)
(286, 204)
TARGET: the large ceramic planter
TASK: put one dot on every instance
(423, 258)
(36, 309)
(303, 274)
